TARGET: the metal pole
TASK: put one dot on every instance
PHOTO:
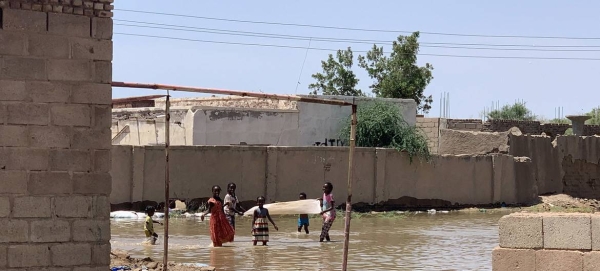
(441, 104)
(350, 179)
(167, 142)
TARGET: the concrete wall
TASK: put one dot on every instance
(55, 98)
(569, 164)
(231, 120)
(224, 126)
(280, 173)
(579, 158)
(550, 241)
(146, 126)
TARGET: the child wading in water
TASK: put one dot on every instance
(260, 225)
(151, 235)
(220, 230)
(303, 218)
(328, 213)
(231, 205)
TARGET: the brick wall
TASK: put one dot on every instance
(465, 124)
(55, 115)
(548, 241)
(535, 127)
(431, 129)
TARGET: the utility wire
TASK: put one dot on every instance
(357, 40)
(358, 29)
(326, 49)
(290, 37)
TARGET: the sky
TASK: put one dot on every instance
(473, 83)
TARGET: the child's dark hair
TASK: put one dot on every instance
(260, 198)
(215, 188)
(303, 194)
(150, 209)
(328, 184)
(230, 185)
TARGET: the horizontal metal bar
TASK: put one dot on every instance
(231, 92)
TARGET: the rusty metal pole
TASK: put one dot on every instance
(167, 142)
(350, 179)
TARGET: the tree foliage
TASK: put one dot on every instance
(517, 111)
(398, 75)
(337, 77)
(595, 114)
(381, 125)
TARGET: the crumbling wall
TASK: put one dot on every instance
(535, 127)
(545, 158)
(580, 164)
(55, 115)
(467, 142)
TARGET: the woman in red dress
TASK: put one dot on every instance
(220, 230)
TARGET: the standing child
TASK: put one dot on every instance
(303, 218)
(220, 230)
(231, 205)
(328, 213)
(151, 235)
(260, 225)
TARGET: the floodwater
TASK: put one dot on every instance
(454, 241)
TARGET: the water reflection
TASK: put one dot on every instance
(417, 242)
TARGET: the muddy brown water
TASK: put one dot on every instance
(454, 241)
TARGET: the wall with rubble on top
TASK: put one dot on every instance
(548, 241)
(55, 115)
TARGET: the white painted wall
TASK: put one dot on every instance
(226, 126)
(205, 125)
(321, 121)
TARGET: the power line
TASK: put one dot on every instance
(358, 29)
(290, 37)
(326, 49)
(357, 40)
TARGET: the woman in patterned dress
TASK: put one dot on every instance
(260, 225)
(220, 230)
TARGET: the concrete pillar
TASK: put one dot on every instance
(55, 96)
(578, 123)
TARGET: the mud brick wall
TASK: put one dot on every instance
(55, 116)
(549, 241)
(465, 124)
(535, 127)
(90, 8)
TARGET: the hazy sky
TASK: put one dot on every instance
(473, 83)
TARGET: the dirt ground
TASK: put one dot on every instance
(565, 203)
(122, 258)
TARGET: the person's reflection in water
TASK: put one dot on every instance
(258, 257)
(222, 258)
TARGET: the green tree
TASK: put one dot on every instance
(398, 75)
(337, 77)
(595, 114)
(517, 111)
(381, 125)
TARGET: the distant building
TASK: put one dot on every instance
(237, 120)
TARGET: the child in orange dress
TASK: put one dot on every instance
(220, 230)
